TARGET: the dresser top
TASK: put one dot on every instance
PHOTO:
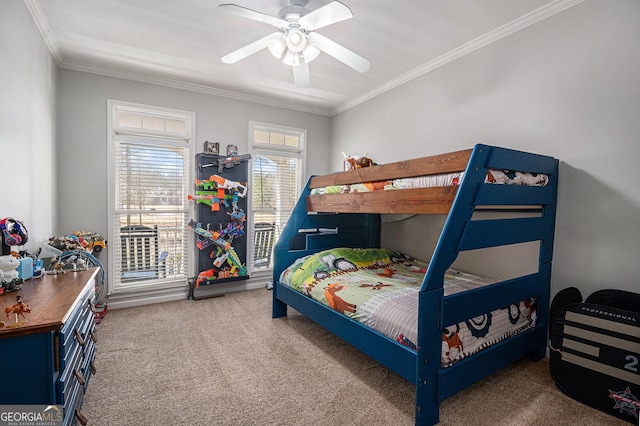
(51, 299)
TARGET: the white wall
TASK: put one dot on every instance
(568, 87)
(82, 132)
(27, 124)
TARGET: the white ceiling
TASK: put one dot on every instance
(179, 43)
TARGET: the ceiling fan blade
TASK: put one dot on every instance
(301, 74)
(252, 14)
(249, 49)
(339, 52)
(326, 15)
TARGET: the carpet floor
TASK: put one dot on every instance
(224, 361)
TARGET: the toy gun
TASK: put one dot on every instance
(227, 162)
(209, 200)
(227, 184)
(231, 257)
(213, 236)
(205, 276)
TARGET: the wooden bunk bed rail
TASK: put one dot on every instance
(436, 200)
(433, 165)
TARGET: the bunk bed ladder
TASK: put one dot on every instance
(461, 233)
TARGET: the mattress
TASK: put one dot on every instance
(505, 177)
(379, 288)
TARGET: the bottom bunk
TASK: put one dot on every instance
(385, 287)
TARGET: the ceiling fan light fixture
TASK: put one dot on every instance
(296, 40)
(291, 58)
(277, 46)
(310, 53)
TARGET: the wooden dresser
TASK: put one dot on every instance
(49, 359)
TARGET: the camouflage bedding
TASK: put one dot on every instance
(379, 288)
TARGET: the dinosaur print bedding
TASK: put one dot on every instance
(379, 288)
(505, 177)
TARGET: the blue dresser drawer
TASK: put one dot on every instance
(77, 347)
(70, 378)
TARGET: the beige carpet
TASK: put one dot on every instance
(224, 361)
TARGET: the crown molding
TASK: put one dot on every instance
(524, 21)
(193, 87)
(45, 30)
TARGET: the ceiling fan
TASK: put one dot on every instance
(296, 42)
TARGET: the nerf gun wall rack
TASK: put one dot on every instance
(221, 203)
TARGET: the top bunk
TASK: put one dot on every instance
(429, 185)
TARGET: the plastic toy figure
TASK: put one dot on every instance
(18, 309)
(57, 266)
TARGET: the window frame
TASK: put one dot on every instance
(149, 136)
(299, 152)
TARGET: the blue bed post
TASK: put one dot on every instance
(545, 261)
(281, 256)
(432, 291)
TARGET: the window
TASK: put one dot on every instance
(149, 163)
(276, 181)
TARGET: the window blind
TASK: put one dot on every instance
(276, 182)
(150, 160)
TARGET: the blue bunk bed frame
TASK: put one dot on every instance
(460, 233)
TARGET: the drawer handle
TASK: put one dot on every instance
(91, 307)
(78, 337)
(81, 418)
(93, 336)
(93, 367)
(80, 377)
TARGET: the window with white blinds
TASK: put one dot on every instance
(150, 164)
(276, 182)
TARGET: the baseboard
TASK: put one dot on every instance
(130, 299)
(214, 290)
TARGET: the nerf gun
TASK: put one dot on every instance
(213, 236)
(231, 257)
(209, 200)
(239, 189)
(228, 162)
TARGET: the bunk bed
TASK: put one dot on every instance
(337, 217)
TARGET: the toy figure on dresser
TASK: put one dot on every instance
(9, 267)
(79, 240)
(9, 279)
(18, 309)
(57, 266)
